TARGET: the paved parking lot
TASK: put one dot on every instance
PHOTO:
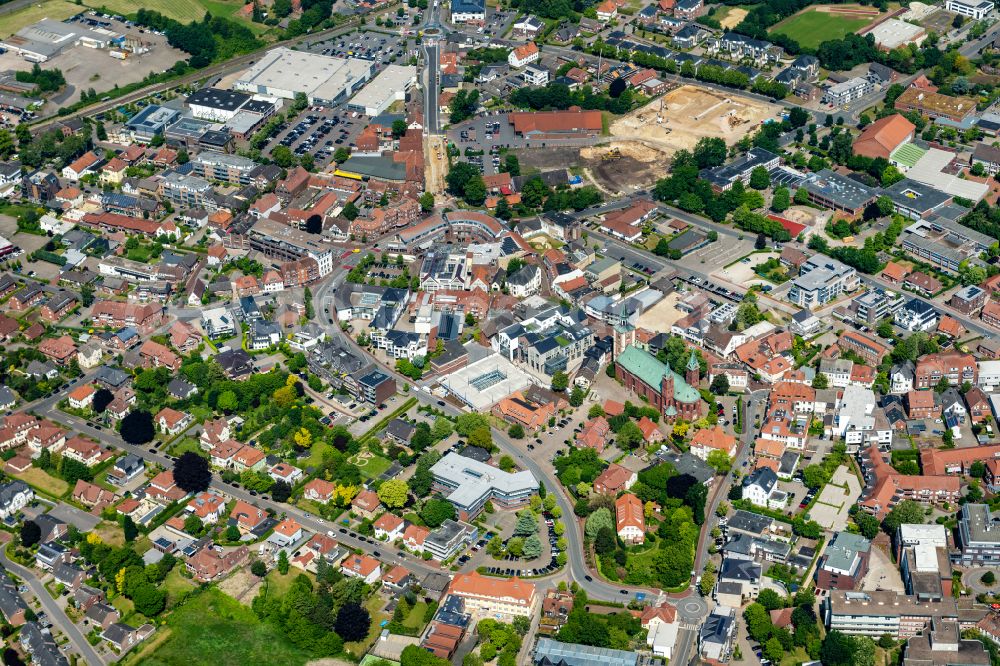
(320, 131)
(835, 501)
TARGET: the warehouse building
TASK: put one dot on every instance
(391, 85)
(324, 80)
(46, 39)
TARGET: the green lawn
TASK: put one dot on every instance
(374, 466)
(810, 28)
(175, 585)
(42, 480)
(315, 454)
(185, 444)
(415, 619)
(277, 584)
(217, 625)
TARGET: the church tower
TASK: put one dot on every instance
(693, 370)
(624, 333)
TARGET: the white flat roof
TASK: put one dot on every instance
(508, 378)
(391, 82)
(473, 479)
(929, 170)
(314, 74)
(893, 33)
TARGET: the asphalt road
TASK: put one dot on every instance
(55, 614)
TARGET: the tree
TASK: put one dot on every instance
(258, 568)
(720, 385)
(31, 533)
(758, 622)
(193, 524)
(516, 431)
(867, 524)
(129, 529)
(149, 600)
(988, 578)
(906, 512)
(770, 600)
(350, 211)
(820, 381)
(506, 463)
(427, 202)
(526, 524)
(436, 511)
(394, 493)
(577, 396)
(137, 427)
(781, 200)
(532, 547)
(414, 655)
(282, 156)
(597, 520)
(629, 436)
(759, 179)
(761, 242)
(719, 461)
(773, 650)
(707, 584)
(227, 401)
(342, 154)
(281, 491)
(398, 128)
(977, 469)
(283, 562)
(191, 472)
(560, 380)
(353, 622)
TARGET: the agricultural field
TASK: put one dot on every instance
(181, 10)
(819, 23)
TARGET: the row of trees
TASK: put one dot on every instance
(559, 96)
(213, 38)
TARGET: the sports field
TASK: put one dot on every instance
(815, 25)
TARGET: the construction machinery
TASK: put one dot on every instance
(612, 155)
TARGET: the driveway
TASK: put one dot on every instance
(82, 520)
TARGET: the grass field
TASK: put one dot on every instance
(811, 27)
(41, 479)
(214, 624)
(415, 618)
(374, 466)
(57, 10)
(175, 585)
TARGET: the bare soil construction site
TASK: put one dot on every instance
(678, 119)
(641, 144)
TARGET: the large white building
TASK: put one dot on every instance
(821, 280)
(469, 484)
(391, 85)
(856, 420)
(325, 80)
(977, 9)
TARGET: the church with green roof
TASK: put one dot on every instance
(644, 374)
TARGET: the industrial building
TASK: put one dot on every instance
(46, 39)
(324, 80)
